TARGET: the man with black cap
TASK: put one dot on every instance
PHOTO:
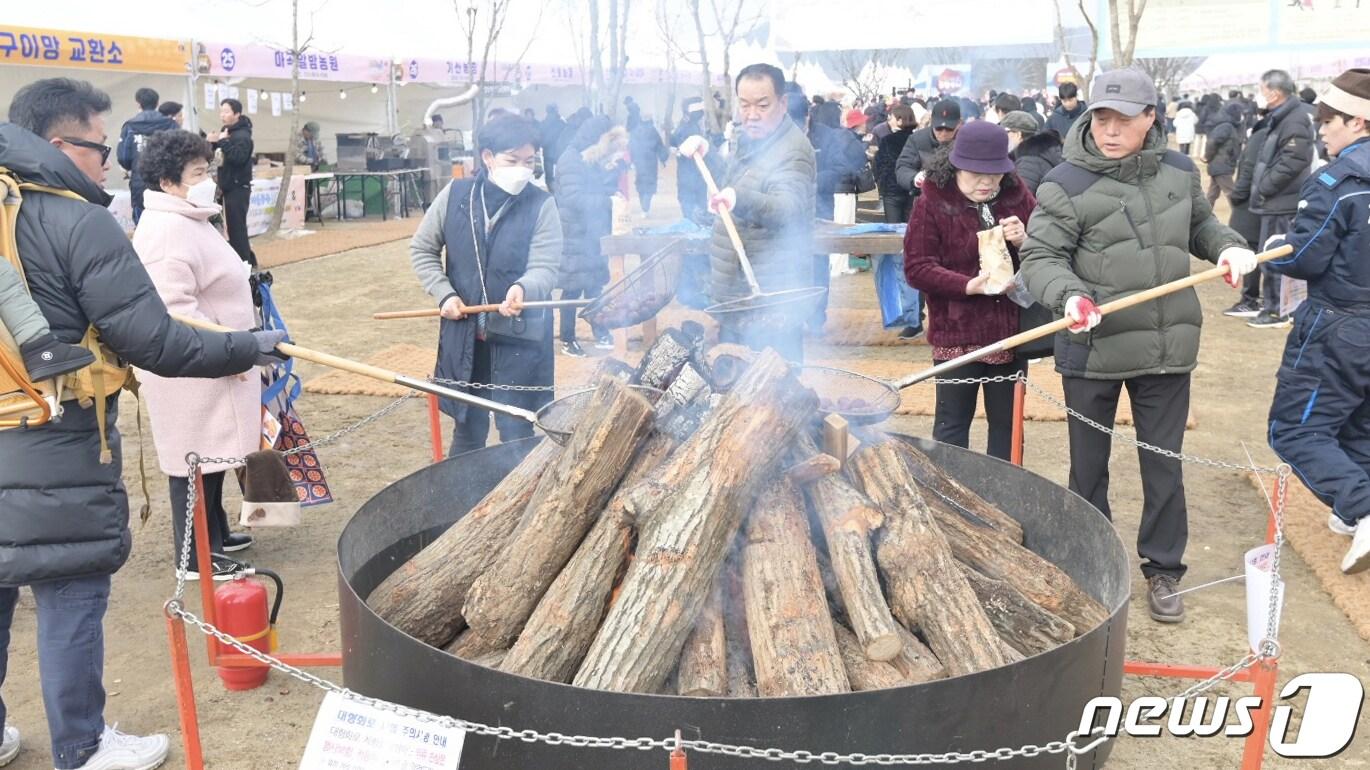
(918, 151)
(1121, 215)
(1320, 418)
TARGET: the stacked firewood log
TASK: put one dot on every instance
(701, 543)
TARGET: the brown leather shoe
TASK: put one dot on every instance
(1161, 599)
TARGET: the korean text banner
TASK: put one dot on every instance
(91, 50)
(259, 61)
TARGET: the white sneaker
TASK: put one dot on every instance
(9, 747)
(1340, 527)
(1357, 557)
(128, 752)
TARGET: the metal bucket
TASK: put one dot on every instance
(1035, 701)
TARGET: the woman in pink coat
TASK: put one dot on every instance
(198, 275)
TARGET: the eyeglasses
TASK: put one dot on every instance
(103, 149)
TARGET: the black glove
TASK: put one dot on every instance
(257, 280)
(267, 340)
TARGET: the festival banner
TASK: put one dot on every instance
(89, 50)
(260, 61)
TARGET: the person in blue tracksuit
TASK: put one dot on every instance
(1320, 418)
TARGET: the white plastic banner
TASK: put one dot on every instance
(252, 101)
(210, 93)
(275, 104)
(349, 735)
(1258, 579)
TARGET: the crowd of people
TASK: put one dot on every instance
(1086, 202)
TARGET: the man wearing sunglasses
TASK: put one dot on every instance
(63, 512)
(923, 145)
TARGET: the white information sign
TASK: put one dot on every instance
(348, 735)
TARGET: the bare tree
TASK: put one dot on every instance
(1167, 72)
(864, 72)
(728, 21)
(1122, 55)
(1084, 79)
(297, 49)
(670, 33)
(483, 20)
(618, 49)
(596, 62)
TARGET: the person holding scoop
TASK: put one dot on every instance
(971, 195)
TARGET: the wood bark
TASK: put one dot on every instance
(741, 673)
(794, 647)
(1034, 577)
(569, 498)
(727, 363)
(945, 488)
(424, 597)
(926, 587)
(664, 358)
(690, 511)
(704, 663)
(847, 517)
(813, 468)
(682, 408)
(1026, 627)
(472, 645)
(864, 673)
(915, 661)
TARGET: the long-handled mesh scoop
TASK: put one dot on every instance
(557, 419)
(866, 400)
(758, 308)
(433, 312)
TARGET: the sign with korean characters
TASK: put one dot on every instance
(349, 735)
(259, 61)
(92, 50)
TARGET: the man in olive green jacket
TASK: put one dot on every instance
(1121, 215)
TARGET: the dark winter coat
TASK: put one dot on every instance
(1224, 146)
(1242, 220)
(942, 254)
(690, 186)
(1285, 161)
(886, 155)
(774, 179)
(1035, 156)
(1062, 119)
(520, 352)
(1106, 228)
(132, 137)
(63, 514)
(236, 170)
(1331, 235)
(584, 193)
(649, 154)
(840, 156)
(917, 154)
(549, 134)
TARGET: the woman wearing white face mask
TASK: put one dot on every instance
(493, 238)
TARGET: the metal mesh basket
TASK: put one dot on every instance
(858, 399)
(559, 418)
(775, 310)
(641, 294)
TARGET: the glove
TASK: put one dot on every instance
(918, 179)
(1083, 314)
(267, 340)
(1273, 241)
(694, 147)
(725, 199)
(1238, 261)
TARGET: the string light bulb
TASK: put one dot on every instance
(304, 97)
(342, 93)
(375, 88)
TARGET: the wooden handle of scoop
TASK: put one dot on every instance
(472, 309)
(730, 226)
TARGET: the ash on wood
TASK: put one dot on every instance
(691, 510)
(794, 647)
(664, 358)
(568, 500)
(424, 597)
(1024, 626)
(926, 587)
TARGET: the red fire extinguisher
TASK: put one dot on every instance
(240, 608)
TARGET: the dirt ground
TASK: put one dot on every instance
(328, 302)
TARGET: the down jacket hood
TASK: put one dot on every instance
(1081, 150)
(34, 160)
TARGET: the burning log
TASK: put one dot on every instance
(664, 358)
(727, 363)
(703, 664)
(424, 597)
(690, 512)
(864, 673)
(847, 518)
(926, 588)
(793, 644)
(565, 505)
(947, 489)
(1026, 627)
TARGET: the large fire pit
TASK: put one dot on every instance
(1035, 701)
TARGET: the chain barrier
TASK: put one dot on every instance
(494, 386)
(1073, 746)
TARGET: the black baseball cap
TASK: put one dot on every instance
(946, 114)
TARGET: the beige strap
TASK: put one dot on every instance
(1344, 101)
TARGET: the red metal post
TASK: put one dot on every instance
(1264, 675)
(1019, 396)
(678, 759)
(185, 694)
(435, 427)
(204, 561)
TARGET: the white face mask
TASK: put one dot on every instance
(1261, 101)
(511, 179)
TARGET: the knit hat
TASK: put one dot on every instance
(1349, 93)
(1019, 121)
(981, 148)
(269, 497)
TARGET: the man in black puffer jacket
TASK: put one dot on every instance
(1246, 224)
(234, 142)
(63, 513)
(133, 136)
(1223, 150)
